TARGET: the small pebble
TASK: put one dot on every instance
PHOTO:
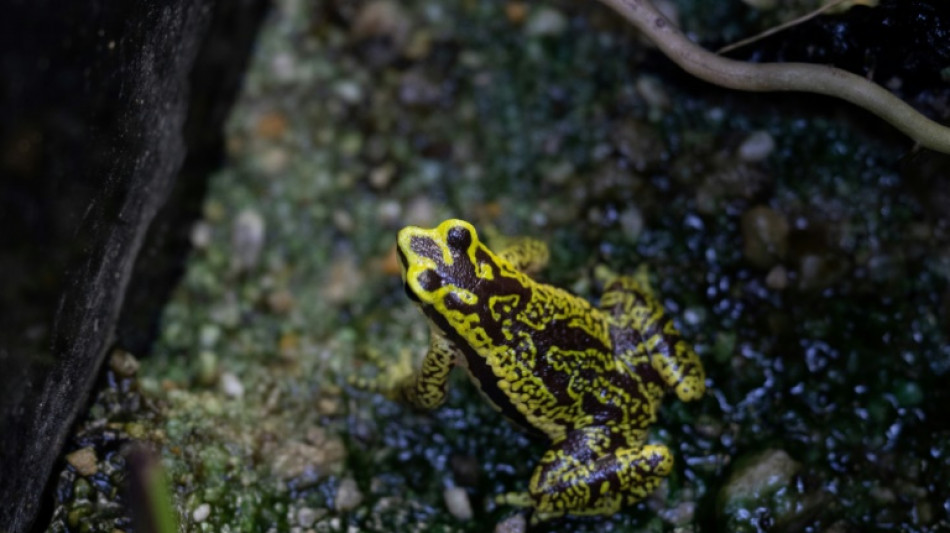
(345, 278)
(383, 19)
(348, 495)
(208, 335)
(417, 90)
(201, 513)
(651, 89)
(765, 471)
(817, 271)
(679, 515)
(388, 211)
(545, 21)
(764, 235)
(343, 220)
(123, 363)
(207, 367)
(247, 239)
(420, 212)
(349, 91)
(456, 500)
(381, 176)
(271, 125)
(512, 524)
(231, 385)
(288, 347)
(420, 45)
(280, 302)
(84, 461)
(560, 173)
(640, 144)
(777, 278)
(756, 147)
(306, 517)
(296, 459)
(201, 235)
(273, 161)
(328, 406)
(631, 221)
(516, 12)
(283, 66)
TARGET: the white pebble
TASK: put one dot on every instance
(348, 495)
(201, 513)
(388, 212)
(512, 524)
(349, 91)
(247, 239)
(231, 385)
(201, 235)
(756, 146)
(306, 517)
(284, 67)
(545, 21)
(631, 221)
(456, 500)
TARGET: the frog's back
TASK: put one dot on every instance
(550, 365)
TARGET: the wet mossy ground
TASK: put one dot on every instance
(811, 275)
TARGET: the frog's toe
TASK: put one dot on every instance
(688, 390)
(540, 516)
(361, 383)
(515, 499)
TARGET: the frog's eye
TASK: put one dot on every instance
(429, 280)
(459, 238)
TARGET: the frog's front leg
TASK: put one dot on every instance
(426, 388)
(649, 331)
(592, 472)
(527, 255)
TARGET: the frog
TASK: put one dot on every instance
(588, 378)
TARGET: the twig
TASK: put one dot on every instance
(780, 27)
(803, 77)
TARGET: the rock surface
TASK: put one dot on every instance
(110, 121)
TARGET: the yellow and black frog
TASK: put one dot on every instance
(589, 378)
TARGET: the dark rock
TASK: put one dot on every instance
(764, 236)
(764, 493)
(102, 105)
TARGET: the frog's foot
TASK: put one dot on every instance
(579, 477)
(639, 281)
(392, 375)
(400, 382)
(515, 499)
(530, 256)
(524, 499)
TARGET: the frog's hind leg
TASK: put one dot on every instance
(588, 473)
(647, 329)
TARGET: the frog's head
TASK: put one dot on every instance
(441, 263)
